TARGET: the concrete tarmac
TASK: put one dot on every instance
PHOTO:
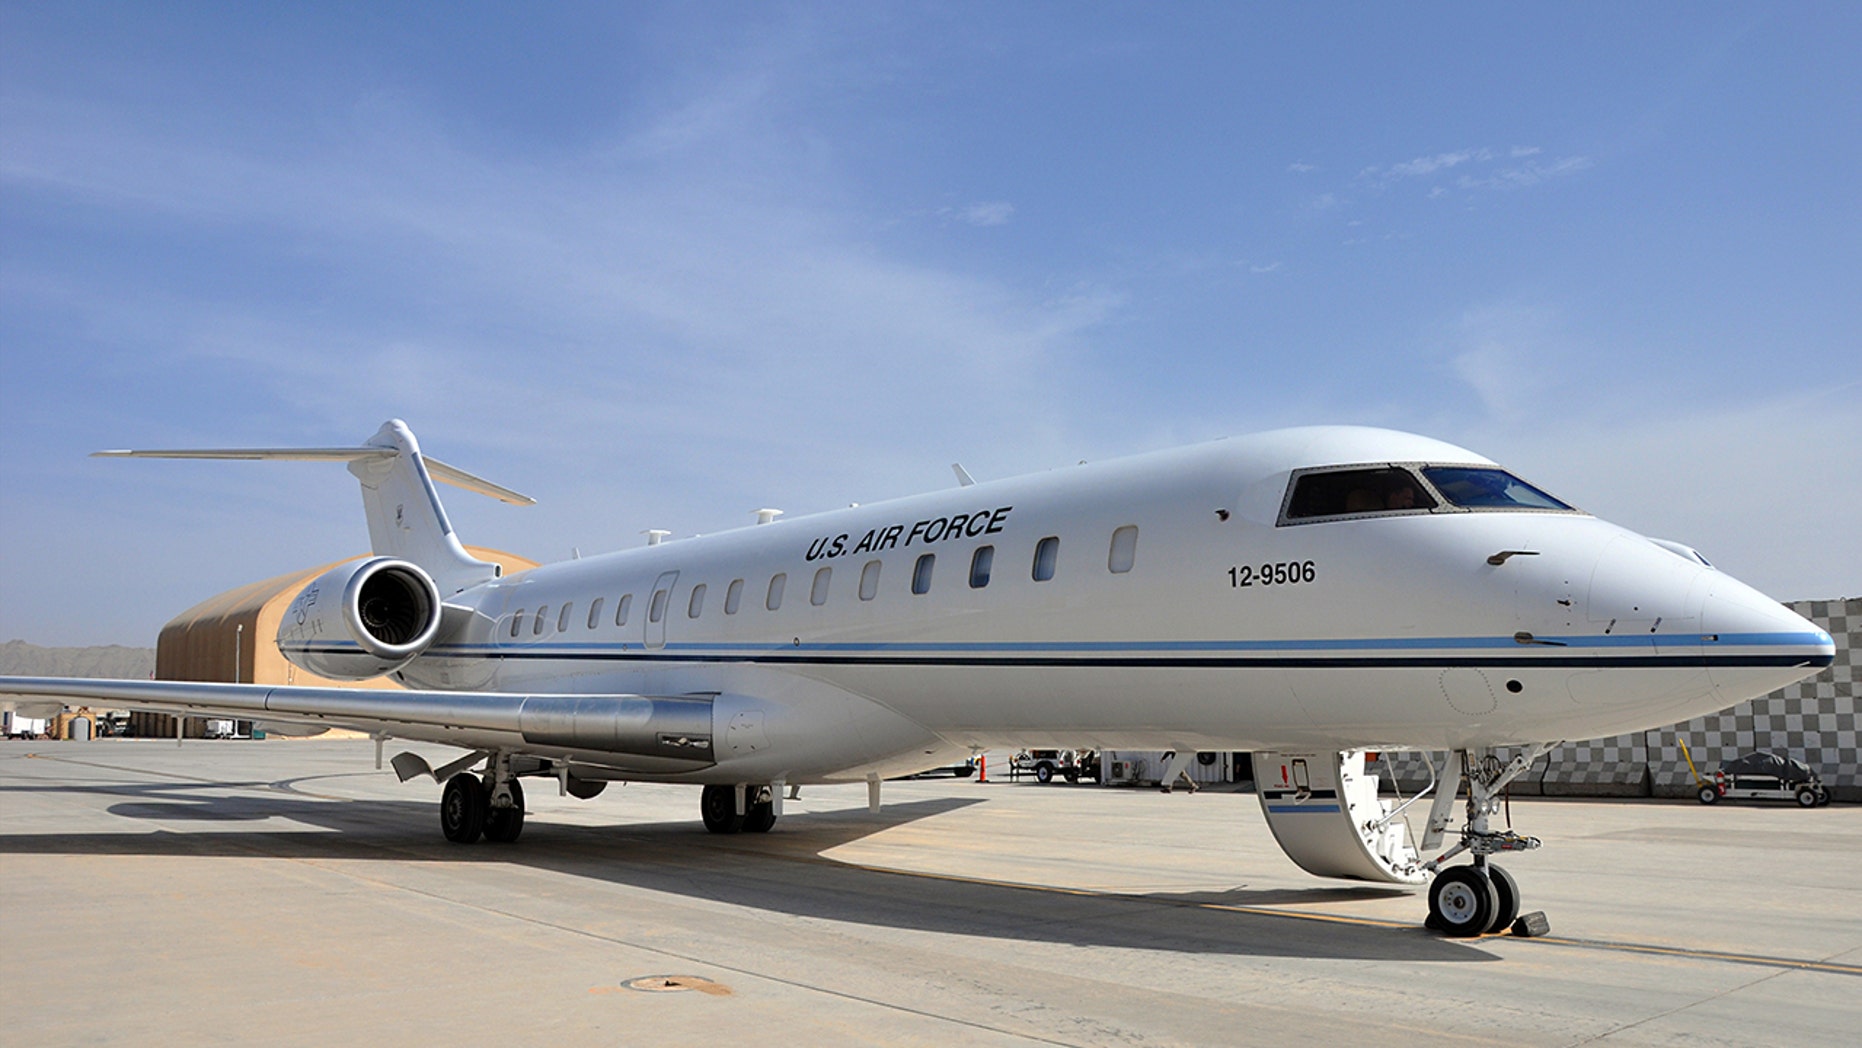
(286, 892)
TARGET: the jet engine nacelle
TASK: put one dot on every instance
(362, 619)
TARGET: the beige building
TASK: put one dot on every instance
(230, 638)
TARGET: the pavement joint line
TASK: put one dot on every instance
(1722, 956)
(1783, 964)
(145, 771)
(1679, 1008)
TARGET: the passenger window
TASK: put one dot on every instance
(1344, 492)
(620, 610)
(921, 574)
(697, 603)
(1046, 553)
(980, 562)
(657, 610)
(818, 593)
(1124, 550)
(776, 584)
(869, 580)
(536, 628)
(517, 621)
(594, 612)
(562, 621)
(733, 596)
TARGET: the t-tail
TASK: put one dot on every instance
(406, 520)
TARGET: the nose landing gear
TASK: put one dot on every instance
(1480, 898)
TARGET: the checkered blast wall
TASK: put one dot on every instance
(1813, 720)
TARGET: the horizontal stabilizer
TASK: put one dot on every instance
(453, 475)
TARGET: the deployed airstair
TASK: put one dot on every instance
(1326, 814)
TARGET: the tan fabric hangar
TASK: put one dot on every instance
(230, 638)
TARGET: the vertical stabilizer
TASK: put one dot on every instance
(406, 519)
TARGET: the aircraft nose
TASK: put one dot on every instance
(1755, 645)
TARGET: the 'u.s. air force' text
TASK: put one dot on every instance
(924, 533)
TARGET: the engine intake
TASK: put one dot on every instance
(362, 619)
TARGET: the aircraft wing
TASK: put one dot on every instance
(648, 733)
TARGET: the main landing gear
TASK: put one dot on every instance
(1480, 898)
(491, 806)
(740, 809)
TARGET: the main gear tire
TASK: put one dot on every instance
(718, 806)
(462, 808)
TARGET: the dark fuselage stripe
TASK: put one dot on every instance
(778, 658)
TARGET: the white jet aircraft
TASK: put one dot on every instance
(1307, 594)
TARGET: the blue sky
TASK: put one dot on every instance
(661, 265)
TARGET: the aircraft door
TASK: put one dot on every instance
(659, 609)
(1324, 810)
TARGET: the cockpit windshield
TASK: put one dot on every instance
(1475, 487)
(1330, 493)
(1337, 493)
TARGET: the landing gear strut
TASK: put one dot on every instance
(1480, 898)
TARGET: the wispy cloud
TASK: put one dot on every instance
(1423, 166)
(984, 213)
(692, 332)
(1524, 175)
(1481, 168)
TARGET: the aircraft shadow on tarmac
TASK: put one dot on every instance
(751, 870)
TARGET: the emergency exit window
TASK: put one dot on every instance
(536, 628)
(517, 621)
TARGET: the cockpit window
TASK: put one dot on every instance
(1475, 487)
(1344, 492)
